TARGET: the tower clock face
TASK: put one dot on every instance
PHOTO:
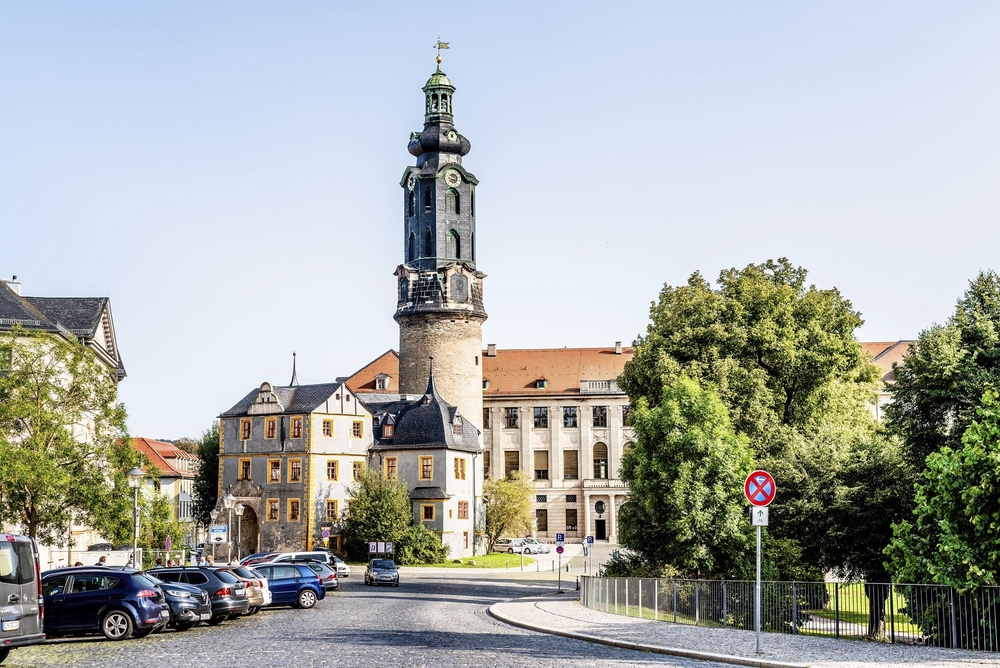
(411, 182)
(452, 135)
(452, 178)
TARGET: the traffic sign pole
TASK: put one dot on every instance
(756, 602)
(759, 488)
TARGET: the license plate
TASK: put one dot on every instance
(12, 625)
(205, 616)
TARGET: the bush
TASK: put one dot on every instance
(420, 545)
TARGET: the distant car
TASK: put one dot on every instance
(227, 592)
(533, 545)
(292, 584)
(101, 547)
(119, 604)
(382, 572)
(325, 573)
(20, 594)
(258, 558)
(343, 570)
(315, 555)
(509, 545)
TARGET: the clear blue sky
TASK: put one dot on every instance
(227, 172)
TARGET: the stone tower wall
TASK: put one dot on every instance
(456, 345)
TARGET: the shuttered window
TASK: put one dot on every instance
(541, 465)
(571, 464)
(511, 461)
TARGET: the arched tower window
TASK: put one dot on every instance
(472, 201)
(449, 199)
(453, 245)
(434, 102)
(472, 245)
(444, 103)
(428, 104)
(458, 203)
(411, 205)
(428, 243)
(411, 248)
(427, 199)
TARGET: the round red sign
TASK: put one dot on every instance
(759, 488)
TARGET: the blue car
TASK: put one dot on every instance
(292, 584)
(119, 604)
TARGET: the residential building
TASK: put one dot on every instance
(175, 473)
(886, 354)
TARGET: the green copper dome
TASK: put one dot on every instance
(439, 79)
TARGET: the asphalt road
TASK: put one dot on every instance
(432, 619)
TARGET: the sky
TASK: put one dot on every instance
(227, 173)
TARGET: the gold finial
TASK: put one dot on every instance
(440, 45)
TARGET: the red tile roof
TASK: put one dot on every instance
(363, 381)
(887, 353)
(160, 453)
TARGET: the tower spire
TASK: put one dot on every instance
(294, 382)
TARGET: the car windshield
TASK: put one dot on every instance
(383, 563)
(243, 573)
(227, 577)
(144, 580)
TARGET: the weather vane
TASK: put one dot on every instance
(440, 45)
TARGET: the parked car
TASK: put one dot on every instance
(262, 582)
(292, 584)
(326, 574)
(382, 572)
(88, 599)
(343, 570)
(315, 555)
(258, 558)
(189, 605)
(509, 545)
(226, 591)
(535, 546)
(20, 594)
(255, 588)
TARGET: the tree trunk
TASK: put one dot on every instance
(877, 594)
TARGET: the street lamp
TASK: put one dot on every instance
(213, 514)
(239, 530)
(228, 502)
(135, 477)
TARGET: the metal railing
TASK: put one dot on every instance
(933, 615)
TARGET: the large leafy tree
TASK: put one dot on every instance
(206, 482)
(379, 509)
(954, 538)
(782, 356)
(686, 473)
(939, 384)
(63, 443)
(507, 505)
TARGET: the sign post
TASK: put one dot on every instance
(590, 555)
(560, 540)
(759, 488)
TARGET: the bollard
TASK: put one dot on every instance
(567, 568)
(578, 583)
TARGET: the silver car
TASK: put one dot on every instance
(535, 546)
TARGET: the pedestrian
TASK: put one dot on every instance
(208, 561)
(170, 562)
(79, 563)
(234, 562)
(159, 562)
(103, 561)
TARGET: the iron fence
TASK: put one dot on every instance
(933, 615)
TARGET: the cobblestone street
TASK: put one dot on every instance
(432, 619)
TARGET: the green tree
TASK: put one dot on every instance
(954, 538)
(63, 440)
(205, 491)
(191, 445)
(420, 545)
(379, 509)
(685, 474)
(940, 382)
(507, 506)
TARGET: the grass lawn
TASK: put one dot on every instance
(492, 560)
(854, 609)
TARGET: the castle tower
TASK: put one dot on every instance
(440, 302)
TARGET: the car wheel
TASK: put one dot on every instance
(116, 625)
(307, 599)
(510, 550)
(184, 626)
(4, 651)
(215, 621)
(142, 633)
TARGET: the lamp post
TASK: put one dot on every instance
(135, 477)
(214, 514)
(229, 501)
(239, 530)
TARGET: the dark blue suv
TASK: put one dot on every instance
(292, 584)
(88, 599)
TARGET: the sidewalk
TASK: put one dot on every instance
(563, 615)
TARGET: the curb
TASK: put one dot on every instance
(655, 649)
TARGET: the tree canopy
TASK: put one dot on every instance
(954, 538)
(507, 505)
(939, 384)
(64, 447)
(685, 474)
(205, 491)
(379, 510)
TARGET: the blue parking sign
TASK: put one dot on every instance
(590, 540)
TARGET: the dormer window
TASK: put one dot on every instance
(382, 381)
(456, 427)
(486, 383)
(541, 384)
(387, 430)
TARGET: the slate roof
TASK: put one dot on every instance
(295, 400)
(80, 315)
(423, 424)
(428, 494)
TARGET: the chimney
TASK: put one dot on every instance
(618, 347)
(491, 350)
(14, 286)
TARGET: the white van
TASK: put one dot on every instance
(320, 556)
